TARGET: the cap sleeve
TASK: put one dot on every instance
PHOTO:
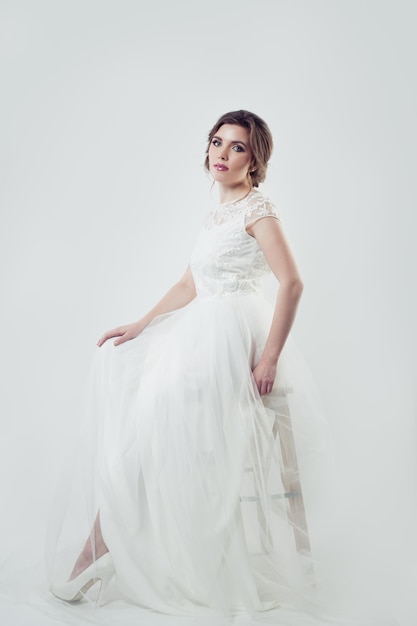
(258, 208)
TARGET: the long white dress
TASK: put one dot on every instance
(204, 487)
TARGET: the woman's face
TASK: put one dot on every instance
(229, 155)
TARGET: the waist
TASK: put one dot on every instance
(228, 289)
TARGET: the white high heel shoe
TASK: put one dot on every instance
(74, 590)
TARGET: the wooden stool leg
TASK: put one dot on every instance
(292, 483)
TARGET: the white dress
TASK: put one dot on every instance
(203, 486)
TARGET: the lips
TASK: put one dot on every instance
(220, 167)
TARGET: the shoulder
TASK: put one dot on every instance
(258, 206)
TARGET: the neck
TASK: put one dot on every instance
(229, 194)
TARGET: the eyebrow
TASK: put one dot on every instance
(234, 142)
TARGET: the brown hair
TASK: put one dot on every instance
(260, 141)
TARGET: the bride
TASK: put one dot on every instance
(200, 444)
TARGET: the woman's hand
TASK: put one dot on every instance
(264, 376)
(123, 333)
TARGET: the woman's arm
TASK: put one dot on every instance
(178, 296)
(268, 232)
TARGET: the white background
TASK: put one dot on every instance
(105, 110)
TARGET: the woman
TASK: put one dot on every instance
(198, 435)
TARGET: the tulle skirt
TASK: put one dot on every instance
(211, 497)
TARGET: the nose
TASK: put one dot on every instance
(222, 154)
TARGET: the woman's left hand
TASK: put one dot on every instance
(264, 376)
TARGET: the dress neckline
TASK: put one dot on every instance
(253, 190)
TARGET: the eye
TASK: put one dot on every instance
(216, 142)
(238, 148)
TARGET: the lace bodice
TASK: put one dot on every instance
(227, 260)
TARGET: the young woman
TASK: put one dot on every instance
(199, 441)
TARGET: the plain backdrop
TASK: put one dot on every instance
(105, 109)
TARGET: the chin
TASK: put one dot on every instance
(218, 176)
